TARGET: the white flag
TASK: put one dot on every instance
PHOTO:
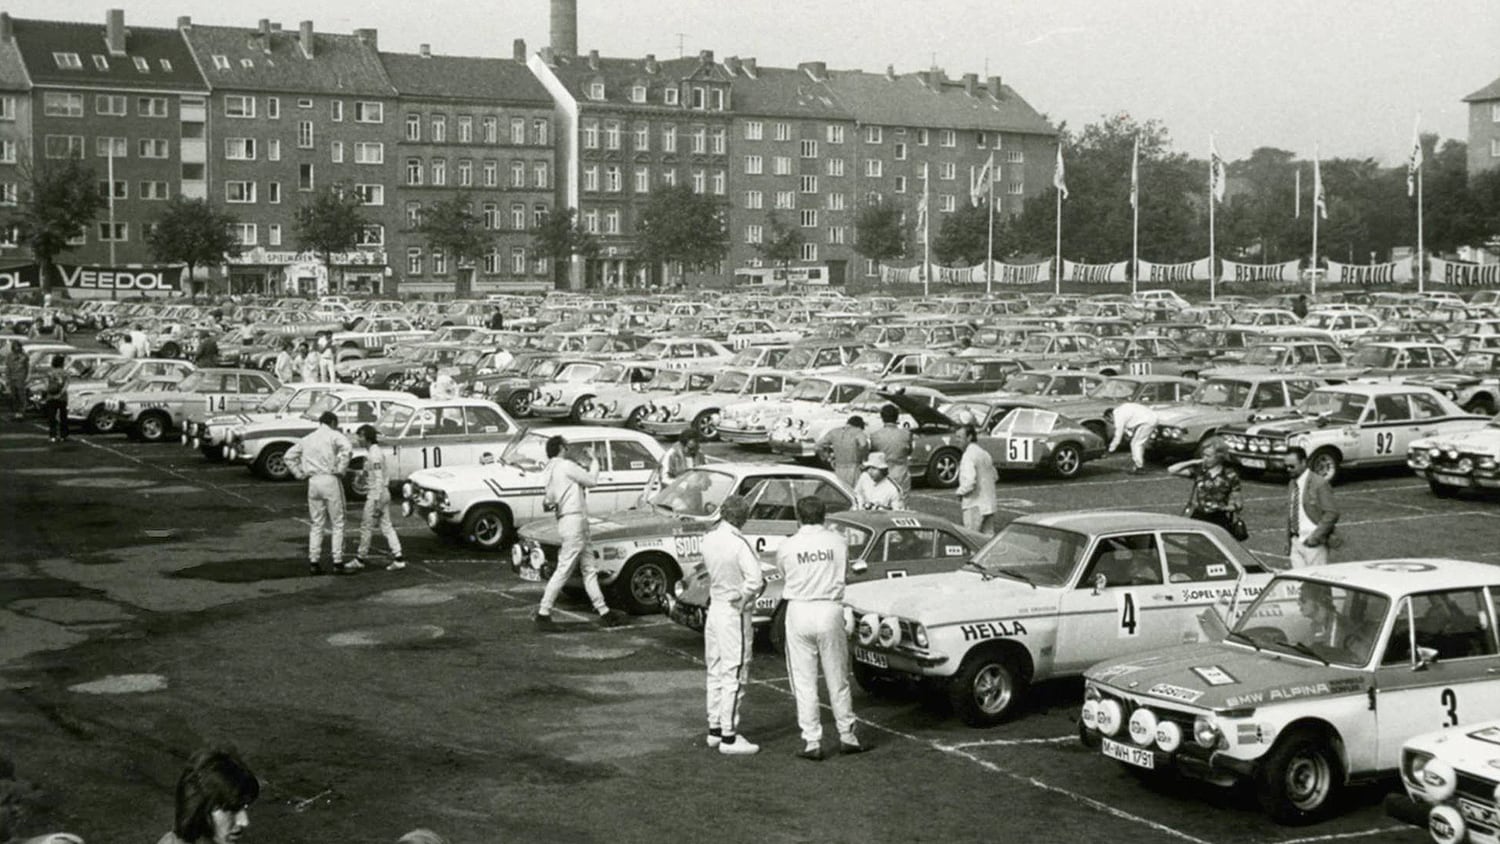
(979, 184)
(1320, 201)
(1297, 193)
(1135, 175)
(1414, 160)
(1217, 178)
(1057, 175)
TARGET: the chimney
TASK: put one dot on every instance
(264, 27)
(426, 50)
(890, 73)
(706, 56)
(593, 59)
(305, 38)
(817, 70)
(750, 69)
(518, 49)
(651, 66)
(732, 64)
(114, 32)
(7, 28)
(275, 27)
(184, 22)
(971, 83)
(368, 37)
(565, 28)
(548, 56)
(995, 87)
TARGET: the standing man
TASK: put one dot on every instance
(47, 323)
(977, 479)
(685, 454)
(307, 364)
(567, 484)
(17, 373)
(283, 369)
(734, 582)
(377, 514)
(140, 342)
(208, 350)
(326, 369)
(1299, 307)
(812, 563)
(1137, 421)
(874, 490)
(1312, 513)
(442, 384)
(497, 319)
(894, 442)
(322, 457)
(845, 448)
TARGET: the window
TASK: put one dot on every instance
(465, 173)
(754, 200)
(670, 96)
(718, 183)
(1495, 112)
(273, 234)
(439, 129)
(120, 190)
(922, 137)
(700, 141)
(518, 217)
(979, 139)
(336, 110)
(151, 106)
(518, 174)
(754, 165)
(240, 149)
(590, 134)
(669, 138)
(873, 135)
(236, 105)
(754, 130)
(466, 130)
(7, 152)
(612, 135)
(166, 65)
(700, 98)
(304, 134)
(336, 150)
(781, 165)
(809, 149)
(100, 62)
(371, 194)
(900, 151)
(273, 108)
(590, 224)
(596, 90)
(369, 153)
(1456, 624)
(439, 175)
(539, 174)
(111, 105)
(786, 199)
(273, 150)
(539, 131)
(414, 127)
(716, 98)
(304, 103)
(835, 167)
(106, 147)
(873, 168)
(638, 93)
(56, 104)
(1494, 147)
(305, 177)
(809, 184)
(835, 134)
(7, 108)
(371, 235)
(809, 251)
(273, 192)
(717, 141)
(1015, 188)
(1014, 156)
(836, 202)
(669, 177)
(948, 203)
(947, 171)
(518, 130)
(490, 215)
(491, 174)
(413, 260)
(642, 180)
(754, 234)
(413, 214)
(439, 262)
(153, 190)
(491, 130)
(518, 260)
(700, 181)
(948, 138)
(221, 62)
(809, 218)
(836, 234)
(612, 181)
(492, 262)
(591, 177)
(239, 192)
(612, 222)
(68, 61)
(414, 171)
(114, 232)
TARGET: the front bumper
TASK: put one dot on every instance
(1450, 473)
(745, 436)
(793, 447)
(690, 616)
(551, 411)
(669, 428)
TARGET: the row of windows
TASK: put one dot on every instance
(489, 214)
(434, 172)
(755, 233)
(61, 104)
(755, 236)
(73, 61)
(698, 96)
(417, 262)
(243, 106)
(489, 129)
(701, 139)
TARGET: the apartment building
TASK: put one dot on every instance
(1484, 128)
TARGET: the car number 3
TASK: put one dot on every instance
(1449, 702)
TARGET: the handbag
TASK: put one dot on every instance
(1237, 528)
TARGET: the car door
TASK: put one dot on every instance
(355, 413)
(631, 467)
(1386, 431)
(251, 388)
(1427, 415)
(432, 440)
(1121, 604)
(1199, 574)
(773, 498)
(1453, 685)
(901, 551)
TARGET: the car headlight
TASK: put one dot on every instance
(1090, 715)
(1446, 825)
(1168, 736)
(867, 629)
(678, 587)
(406, 489)
(1438, 780)
(919, 635)
(1465, 465)
(1143, 727)
(889, 635)
(1206, 732)
(1419, 458)
(1110, 717)
(518, 554)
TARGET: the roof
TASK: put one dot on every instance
(620, 76)
(464, 78)
(785, 92)
(906, 100)
(1380, 388)
(13, 76)
(877, 519)
(1488, 92)
(37, 40)
(1109, 521)
(1401, 576)
(340, 64)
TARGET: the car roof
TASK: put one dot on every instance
(1376, 388)
(738, 467)
(1110, 521)
(1400, 576)
(881, 519)
(1149, 378)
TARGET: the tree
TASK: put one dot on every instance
(680, 226)
(880, 234)
(452, 227)
(60, 200)
(330, 222)
(190, 231)
(781, 243)
(559, 237)
(964, 239)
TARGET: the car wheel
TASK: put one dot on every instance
(942, 469)
(212, 453)
(1325, 461)
(636, 417)
(171, 350)
(1481, 405)
(153, 427)
(1299, 778)
(488, 527)
(1442, 490)
(356, 482)
(101, 421)
(706, 426)
(580, 407)
(986, 688)
(642, 583)
(519, 404)
(271, 463)
(1067, 460)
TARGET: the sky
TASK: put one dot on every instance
(1348, 77)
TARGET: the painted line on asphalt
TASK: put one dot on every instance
(982, 763)
(1010, 742)
(1340, 836)
(176, 474)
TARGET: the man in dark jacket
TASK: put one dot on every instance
(1312, 513)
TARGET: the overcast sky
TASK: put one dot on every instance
(1349, 75)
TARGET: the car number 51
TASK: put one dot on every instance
(1020, 450)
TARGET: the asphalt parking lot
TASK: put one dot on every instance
(151, 603)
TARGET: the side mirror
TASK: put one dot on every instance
(859, 567)
(1100, 581)
(1425, 657)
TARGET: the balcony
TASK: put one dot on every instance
(194, 151)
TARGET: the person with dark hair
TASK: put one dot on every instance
(684, 455)
(326, 359)
(307, 364)
(1312, 514)
(377, 512)
(813, 565)
(895, 442)
(322, 457)
(734, 582)
(1299, 306)
(845, 448)
(214, 794)
(17, 373)
(55, 399)
(977, 480)
(208, 350)
(566, 486)
(284, 369)
(497, 319)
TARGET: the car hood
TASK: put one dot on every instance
(642, 523)
(1285, 425)
(954, 597)
(925, 415)
(1473, 750)
(1194, 415)
(1484, 441)
(506, 476)
(295, 426)
(1224, 676)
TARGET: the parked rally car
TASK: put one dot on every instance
(1458, 461)
(750, 422)
(1217, 402)
(154, 414)
(627, 405)
(882, 544)
(642, 551)
(1049, 596)
(432, 433)
(262, 444)
(210, 432)
(1475, 386)
(800, 438)
(573, 389)
(483, 504)
(1451, 778)
(1317, 684)
(670, 416)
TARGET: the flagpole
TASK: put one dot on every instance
(1057, 270)
(926, 240)
(1135, 225)
(1421, 252)
(1312, 274)
(989, 259)
(1211, 175)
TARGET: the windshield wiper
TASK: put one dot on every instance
(1302, 648)
(1237, 636)
(991, 574)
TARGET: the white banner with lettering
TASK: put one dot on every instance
(1287, 271)
(1170, 273)
(1096, 273)
(900, 275)
(1387, 273)
(1462, 272)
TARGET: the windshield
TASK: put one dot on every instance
(813, 389)
(871, 402)
(1337, 406)
(1374, 356)
(654, 349)
(697, 493)
(320, 404)
(1221, 393)
(798, 359)
(872, 360)
(1319, 621)
(574, 373)
(1035, 344)
(855, 538)
(527, 452)
(729, 382)
(948, 369)
(1027, 383)
(191, 382)
(393, 421)
(1115, 388)
(1039, 555)
(749, 356)
(116, 371)
(1115, 347)
(1266, 354)
(1477, 362)
(610, 374)
(276, 401)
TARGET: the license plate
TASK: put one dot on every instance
(1253, 462)
(1137, 756)
(870, 658)
(1453, 480)
(529, 573)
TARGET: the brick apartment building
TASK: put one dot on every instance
(1484, 128)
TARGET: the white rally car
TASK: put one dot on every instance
(432, 433)
(798, 435)
(86, 398)
(681, 353)
(1452, 782)
(572, 391)
(262, 444)
(758, 332)
(750, 422)
(483, 504)
(670, 416)
(1458, 461)
(210, 433)
(371, 336)
(626, 405)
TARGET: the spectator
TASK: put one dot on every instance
(845, 448)
(1138, 422)
(977, 480)
(214, 794)
(17, 374)
(1312, 514)
(55, 395)
(1216, 489)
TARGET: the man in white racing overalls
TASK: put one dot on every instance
(734, 582)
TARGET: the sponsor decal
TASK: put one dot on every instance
(1341, 686)
(1251, 734)
(647, 543)
(1402, 568)
(116, 278)
(20, 278)
(1490, 735)
(1217, 570)
(1171, 692)
(906, 522)
(982, 630)
(1215, 676)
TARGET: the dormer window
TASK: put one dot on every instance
(596, 90)
(718, 99)
(221, 62)
(247, 63)
(638, 94)
(700, 98)
(100, 62)
(669, 96)
(68, 61)
(142, 65)
(166, 65)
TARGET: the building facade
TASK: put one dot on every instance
(1484, 128)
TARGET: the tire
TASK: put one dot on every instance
(1481, 405)
(580, 407)
(101, 421)
(987, 687)
(519, 404)
(153, 427)
(636, 417)
(642, 582)
(170, 350)
(212, 453)
(942, 469)
(271, 463)
(705, 425)
(1442, 490)
(1067, 460)
(1298, 780)
(1325, 461)
(488, 527)
(356, 485)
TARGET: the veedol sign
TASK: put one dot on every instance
(19, 278)
(115, 278)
